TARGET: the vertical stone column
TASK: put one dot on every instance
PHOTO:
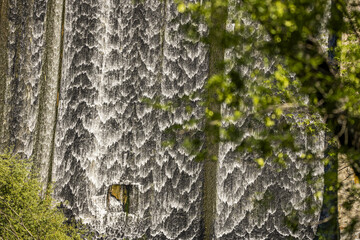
(217, 52)
(346, 177)
(48, 89)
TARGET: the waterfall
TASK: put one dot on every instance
(77, 73)
(115, 54)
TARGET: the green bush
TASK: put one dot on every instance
(24, 213)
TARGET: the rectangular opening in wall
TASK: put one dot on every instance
(122, 197)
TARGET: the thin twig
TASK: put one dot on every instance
(14, 233)
(7, 218)
(352, 24)
(21, 221)
(322, 221)
(343, 168)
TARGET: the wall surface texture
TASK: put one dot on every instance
(73, 76)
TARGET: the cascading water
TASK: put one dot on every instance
(73, 97)
(114, 56)
(252, 202)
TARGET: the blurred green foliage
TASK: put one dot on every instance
(295, 74)
(281, 72)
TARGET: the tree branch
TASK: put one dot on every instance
(21, 221)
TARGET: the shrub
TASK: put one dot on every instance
(24, 213)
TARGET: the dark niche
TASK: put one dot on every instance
(122, 197)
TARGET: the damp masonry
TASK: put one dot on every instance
(73, 74)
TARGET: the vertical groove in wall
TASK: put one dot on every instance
(162, 40)
(217, 51)
(52, 149)
(4, 32)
